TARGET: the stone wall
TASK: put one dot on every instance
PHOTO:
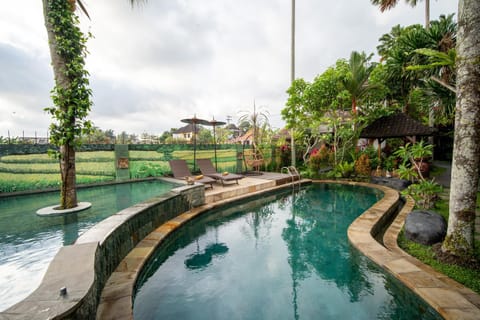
(84, 267)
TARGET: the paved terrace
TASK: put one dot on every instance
(449, 298)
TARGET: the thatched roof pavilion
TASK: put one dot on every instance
(397, 125)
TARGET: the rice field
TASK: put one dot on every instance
(13, 182)
(40, 171)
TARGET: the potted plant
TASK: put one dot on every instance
(421, 154)
(417, 155)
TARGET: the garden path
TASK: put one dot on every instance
(444, 180)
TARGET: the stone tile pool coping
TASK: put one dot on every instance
(116, 301)
(449, 298)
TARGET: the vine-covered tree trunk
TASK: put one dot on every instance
(466, 149)
(67, 168)
(71, 98)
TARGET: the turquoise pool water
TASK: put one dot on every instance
(29, 242)
(283, 256)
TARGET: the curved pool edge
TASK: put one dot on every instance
(75, 278)
(117, 296)
(449, 298)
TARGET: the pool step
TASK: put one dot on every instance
(245, 186)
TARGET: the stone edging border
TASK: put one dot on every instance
(73, 282)
(448, 297)
(116, 301)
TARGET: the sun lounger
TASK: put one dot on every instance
(207, 169)
(180, 170)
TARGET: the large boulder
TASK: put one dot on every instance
(425, 227)
(395, 183)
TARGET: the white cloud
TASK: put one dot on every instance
(153, 65)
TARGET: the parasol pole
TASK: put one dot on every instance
(194, 145)
(215, 145)
(195, 121)
(215, 123)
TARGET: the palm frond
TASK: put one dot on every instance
(83, 9)
(436, 58)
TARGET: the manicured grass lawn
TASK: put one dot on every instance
(468, 277)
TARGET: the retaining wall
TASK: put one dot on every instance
(81, 270)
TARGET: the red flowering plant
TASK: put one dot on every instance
(319, 158)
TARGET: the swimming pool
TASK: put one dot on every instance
(29, 242)
(283, 256)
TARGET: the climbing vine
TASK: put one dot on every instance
(71, 95)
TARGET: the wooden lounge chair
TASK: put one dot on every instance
(180, 171)
(207, 169)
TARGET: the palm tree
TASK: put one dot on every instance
(466, 150)
(257, 120)
(395, 49)
(292, 79)
(356, 83)
(437, 63)
(390, 4)
(71, 95)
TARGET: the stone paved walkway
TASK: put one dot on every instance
(449, 298)
(444, 180)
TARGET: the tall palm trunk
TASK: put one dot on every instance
(68, 196)
(466, 149)
(292, 78)
(427, 14)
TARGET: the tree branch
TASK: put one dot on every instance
(443, 83)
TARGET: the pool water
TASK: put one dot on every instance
(284, 256)
(29, 242)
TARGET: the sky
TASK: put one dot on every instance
(152, 65)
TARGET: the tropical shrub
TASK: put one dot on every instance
(319, 159)
(147, 169)
(372, 154)
(362, 165)
(424, 193)
(342, 170)
(346, 169)
(406, 173)
(414, 156)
